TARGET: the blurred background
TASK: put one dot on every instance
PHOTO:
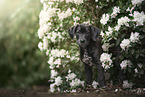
(21, 62)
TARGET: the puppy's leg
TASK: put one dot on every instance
(101, 79)
(88, 71)
(100, 71)
(117, 62)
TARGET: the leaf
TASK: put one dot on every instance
(132, 51)
(123, 35)
(137, 55)
(129, 70)
(142, 55)
(118, 41)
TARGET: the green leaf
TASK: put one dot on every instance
(137, 55)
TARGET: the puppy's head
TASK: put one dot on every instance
(84, 33)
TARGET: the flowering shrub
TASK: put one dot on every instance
(121, 21)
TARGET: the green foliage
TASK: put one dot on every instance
(21, 62)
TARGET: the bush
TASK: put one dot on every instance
(21, 62)
(120, 21)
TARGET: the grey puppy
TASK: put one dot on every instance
(89, 41)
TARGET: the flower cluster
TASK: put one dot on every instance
(136, 2)
(55, 56)
(58, 82)
(139, 18)
(106, 60)
(123, 21)
(104, 19)
(53, 73)
(65, 14)
(115, 11)
(70, 76)
(106, 46)
(126, 84)
(134, 37)
(73, 81)
(126, 43)
(95, 84)
(76, 82)
(125, 63)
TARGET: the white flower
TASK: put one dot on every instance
(105, 57)
(51, 12)
(58, 81)
(58, 53)
(45, 43)
(53, 73)
(106, 60)
(139, 65)
(76, 82)
(125, 63)
(40, 46)
(109, 32)
(70, 76)
(104, 19)
(106, 67)
(47, 52)
(69, 71)
(76, 18)
(78, 1)
(139, 91)
(41, 33)
(57, 62)
(127, 85)
(136, 71)
(53, 37)
(96, 0)
(123, 21)
(95, 84)
(107, 0)
(45, 6)
(74, 91)
(58, 89)
(117, 27)
(116, 90)
(102, 34)
(67, 1)
(115, 11)
(136, 2)
(134, 37)
(45, 15)
(52, 87)
(125, 44)
(63, 15)
(106, 46)
(42, 1)
(139, 18)
(51, 63)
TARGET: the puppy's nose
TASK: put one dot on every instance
(82, 40)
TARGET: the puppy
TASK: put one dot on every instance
(89, 41)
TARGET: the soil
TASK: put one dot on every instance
(42, 91)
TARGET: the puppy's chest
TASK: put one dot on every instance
(87, 59)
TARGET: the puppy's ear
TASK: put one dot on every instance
(95, 32)
(72, 31)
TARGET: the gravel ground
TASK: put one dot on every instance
(42, 91)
